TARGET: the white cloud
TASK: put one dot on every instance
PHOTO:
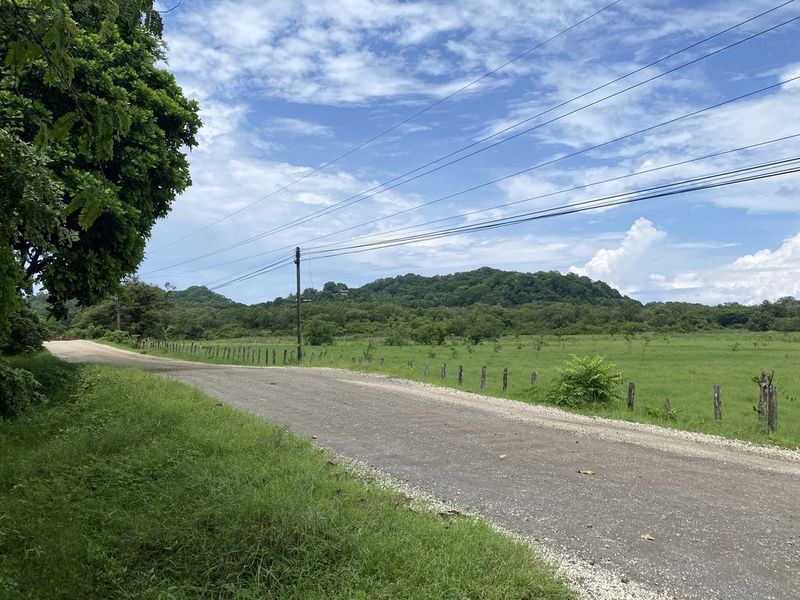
(750, 279)
(300, 127)
(645, 267)
(355, 51)
(791, 72)
(621, 267)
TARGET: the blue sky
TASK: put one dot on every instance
(284, 87)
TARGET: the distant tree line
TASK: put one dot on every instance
(397, 311)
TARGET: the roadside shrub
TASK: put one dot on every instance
(369, 352)
(319, 332)
(585, 380)
(662, 414)
(120, 337)
(95, 332)
(25, 334)
(429, 333)
(18, 391)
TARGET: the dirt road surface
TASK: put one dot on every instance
(723, 516)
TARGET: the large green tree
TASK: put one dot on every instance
(93, 135)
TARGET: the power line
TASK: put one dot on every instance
(608, 202)
(164, 12)
(548, 194)
(376, 190)
(361, 196)
(363, 144)
(224, 281)
(789, 166)
(498, 206)
(358, 197)
(593, 147)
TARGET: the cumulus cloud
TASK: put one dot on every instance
(645, 266)
(752, 278)
(621, 266)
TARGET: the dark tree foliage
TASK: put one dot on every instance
(99, 132)
(199, 313)
(485, 286)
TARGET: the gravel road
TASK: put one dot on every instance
(661, 514)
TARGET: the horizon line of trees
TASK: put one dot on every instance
(197, 313)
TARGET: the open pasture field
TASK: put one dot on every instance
(681, 367)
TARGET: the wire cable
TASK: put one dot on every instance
(358, 197)
(586, 149)
(365, 143)
(537, 215)
(365, 196)
(730, 177)
(304, 243)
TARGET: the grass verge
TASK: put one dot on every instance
(129, 486)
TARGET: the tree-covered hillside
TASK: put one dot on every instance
(198, 296)
(471, 306)
(485, 286)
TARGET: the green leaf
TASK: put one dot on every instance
(21, 53)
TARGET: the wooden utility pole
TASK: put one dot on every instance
(299, 325)
(119, 318)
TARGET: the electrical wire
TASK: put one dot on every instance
(304, 243)
(164, 12)
(263, 271)
(575, 153)
(361, 195)
(730, 177)
(537, 215)
(394, 127)
(376, 190)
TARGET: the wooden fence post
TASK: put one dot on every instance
(285, 354)
(667, 405)
(291, 357)
(772, 410)
(460, 374)
(483, 377)
(764, 387)
(717, 404)
(631, 394)
(534, 377)
(425, 369)
(505, 379)
(443, 372)
(274, 358)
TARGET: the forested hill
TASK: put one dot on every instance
(485, 286)
(201, 296)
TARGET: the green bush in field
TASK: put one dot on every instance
(586, 380)
(319, 332)
(18, 390)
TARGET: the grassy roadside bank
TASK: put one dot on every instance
(129, 486)
(681, 367)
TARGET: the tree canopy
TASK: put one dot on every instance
(93, 136)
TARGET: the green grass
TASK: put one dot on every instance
(681, 367)
(126, 485)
